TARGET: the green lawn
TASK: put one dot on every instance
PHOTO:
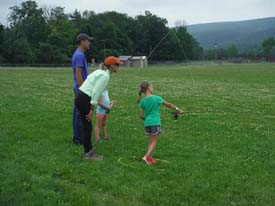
(222, 152)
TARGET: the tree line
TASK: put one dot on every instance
(47, 35)
(267, 51)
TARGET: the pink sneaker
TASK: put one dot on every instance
(153, 161)
(146, 160)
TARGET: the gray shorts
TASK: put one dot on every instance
(152, 130)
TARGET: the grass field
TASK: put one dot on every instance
(222, 152)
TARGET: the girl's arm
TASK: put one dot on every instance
(108, 109)
(113, 102)
(171, 106)
(141, 114)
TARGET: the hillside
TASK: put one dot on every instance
(244, 34)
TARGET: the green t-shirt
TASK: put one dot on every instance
(150, 106)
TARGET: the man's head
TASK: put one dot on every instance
(84, 41)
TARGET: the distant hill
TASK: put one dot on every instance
(247, 34)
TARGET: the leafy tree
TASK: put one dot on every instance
(76, 16)
(232, 51)
(27, 21)
(57, 14)
(111, 30)
(2, 29)
(23, 53)
(61, 37)
(45, 53)
(188, 43)
(268, 44)
(149, 30)
(47, 35)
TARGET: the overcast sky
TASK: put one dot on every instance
(191, 11)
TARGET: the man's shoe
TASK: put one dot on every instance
(77, 142)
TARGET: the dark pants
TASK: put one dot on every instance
(77, 125)
(82, 102)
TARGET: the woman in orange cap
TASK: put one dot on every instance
(87, 98)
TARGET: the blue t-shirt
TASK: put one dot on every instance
(105, 101)
(79, 60)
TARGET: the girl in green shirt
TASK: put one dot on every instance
(149, 112)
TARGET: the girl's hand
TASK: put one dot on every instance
(111, 105)
(113, 102)
(89, 116)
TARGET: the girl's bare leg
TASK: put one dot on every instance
(104, 128)
(97, 128)
(153, 140)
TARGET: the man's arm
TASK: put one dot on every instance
(79, 76)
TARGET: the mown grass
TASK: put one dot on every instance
(222, 152)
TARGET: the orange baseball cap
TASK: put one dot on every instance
(112, 60)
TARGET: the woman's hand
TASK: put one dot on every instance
(89, 116)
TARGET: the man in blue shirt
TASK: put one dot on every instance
(80, 73)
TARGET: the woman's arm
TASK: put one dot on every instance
(171, 106)
(100, 86)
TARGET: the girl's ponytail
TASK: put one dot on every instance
(139, 97)
(142, 89)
